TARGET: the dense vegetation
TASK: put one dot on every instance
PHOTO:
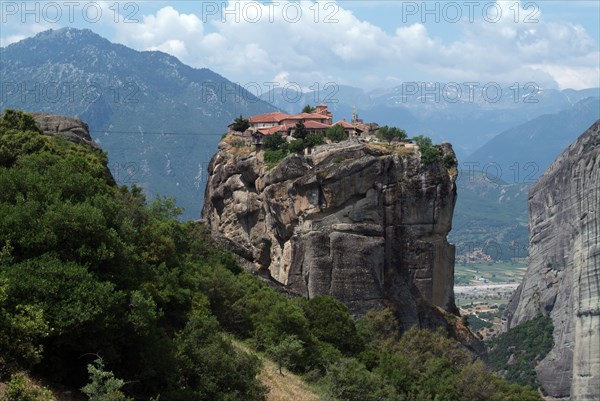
(516, 353)
(103, 292)
(430, 153)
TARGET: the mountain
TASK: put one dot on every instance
(490, 214)
(158, 119)
(466, 116)
(491, 210)
(563, 276)
(525, 151)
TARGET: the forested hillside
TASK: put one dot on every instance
(103, 292)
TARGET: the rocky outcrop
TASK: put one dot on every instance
(364, 223)
(70, 128)
(563, 278)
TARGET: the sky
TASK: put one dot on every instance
(366, 44)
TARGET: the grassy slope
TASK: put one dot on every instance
(286, 387)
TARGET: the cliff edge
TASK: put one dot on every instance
(365, 223)
(563, 278)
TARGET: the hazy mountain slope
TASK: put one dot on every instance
(158, 119)
(490, 214)
(538, 141)
(491, 209)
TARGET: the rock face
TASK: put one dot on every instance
(563, 278)
(356, 221)
(71, 128)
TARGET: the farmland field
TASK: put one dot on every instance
(502, 272)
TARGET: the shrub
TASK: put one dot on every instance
(336, 133)
(20, 388)
(296, 146)
(272, 157)
(274, 142)
(349, 380)
(528, 341)
(314, 140)
(429, 152)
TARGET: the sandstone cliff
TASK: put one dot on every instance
(563, 278)
(70, 128)
(364, 223)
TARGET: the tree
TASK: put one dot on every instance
(300, 130)
(241, 124)
(308, 109)
(20, 334)
(210, 368)
(336, 133)
(429, 152)
(389, 134)
(349, 380)
(296, 146)
(330, 322)
(274, 142)
(18, 120)
(103, 386)
(314, 140)
(287, 353)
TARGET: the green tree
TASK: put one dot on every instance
(429, 152)
(308, 109)
(329, 321)
(336, 133)
(296, 146)
(287, 352)
(389, 134)
(103, 385)
(241, 124)
(300, 130)
(314, 140)
(18, 120)
(349, 380)
(22, 330)
(210, 368)
(274, 142)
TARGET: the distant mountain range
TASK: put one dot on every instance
(466, 116)
(159, 120)
(524, 152)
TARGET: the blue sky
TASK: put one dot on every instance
(369, 44)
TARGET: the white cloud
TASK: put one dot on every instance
(356, 52)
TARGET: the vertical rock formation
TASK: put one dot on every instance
(364, 223)
(563, 278)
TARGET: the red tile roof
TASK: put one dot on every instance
(344, 124)
(315, 125)
(277, 117)
(274, 117)
(274, 130)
